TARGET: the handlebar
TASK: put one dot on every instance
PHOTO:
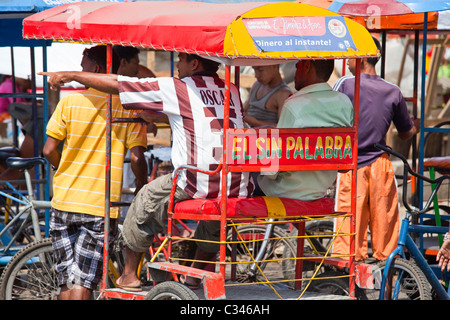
(407, 169)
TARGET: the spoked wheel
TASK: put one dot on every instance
(25, 226)
(171, 290)
(322, 230)
(30, 275)
(330, 283)
(271, 262)
(405, 282)
(319, 239)
(334, 283)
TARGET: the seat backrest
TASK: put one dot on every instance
(291, 149)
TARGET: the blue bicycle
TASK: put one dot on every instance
(406, 274)
(26, 214)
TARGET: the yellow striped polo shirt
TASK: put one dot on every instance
(79, 182)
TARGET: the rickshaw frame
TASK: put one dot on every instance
(258, 58)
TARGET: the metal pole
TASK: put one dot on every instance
(415, 105)
(107, 173)
(44, 136)
(422, 107)
(383, 55)
(354, 182)
(223, 201)
(34, 103)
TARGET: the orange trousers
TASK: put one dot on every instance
(376, 209)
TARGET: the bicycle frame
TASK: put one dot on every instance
(405, 240)
(30, 204)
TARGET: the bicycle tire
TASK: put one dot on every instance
(334, 283)
(271, 264)
(330, 282)
(171, 290)
(321, 227)
(414, 285)
(27, 278)
(319, 243)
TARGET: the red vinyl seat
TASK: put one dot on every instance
(257, 207)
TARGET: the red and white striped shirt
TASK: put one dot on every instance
(195, 108)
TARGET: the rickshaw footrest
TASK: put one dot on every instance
(213, 283)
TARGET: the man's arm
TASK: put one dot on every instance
(100, 81)
(151, 116)
(281, 95)
(139, 166)
(409, 134)
(51, 152)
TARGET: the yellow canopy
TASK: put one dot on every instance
(296, 31)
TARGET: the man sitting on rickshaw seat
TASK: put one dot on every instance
(194, 104)
(314, 105)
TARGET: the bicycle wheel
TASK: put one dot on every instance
(27, 235)
(406, 276)
(30, 275)
(171, 290)
(321, 228)
(334, 283)
(309, 267)
(330, 282)
(271, 263)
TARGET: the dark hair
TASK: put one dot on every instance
(208, 65)
(324, 68)
(97, 55)
(126, 53)
(373, 61)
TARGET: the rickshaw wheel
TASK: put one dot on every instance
(330, 284)
(335, 283)
(171, 290)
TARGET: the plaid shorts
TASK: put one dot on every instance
(77, 241)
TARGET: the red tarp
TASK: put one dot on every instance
(172, 23)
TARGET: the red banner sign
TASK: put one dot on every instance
(272, 148)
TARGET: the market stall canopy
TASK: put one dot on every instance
(234, 33)
(391, 14)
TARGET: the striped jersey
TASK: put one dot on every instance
(195, 108)
(80, 120)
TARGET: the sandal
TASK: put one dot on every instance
(136, 288)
